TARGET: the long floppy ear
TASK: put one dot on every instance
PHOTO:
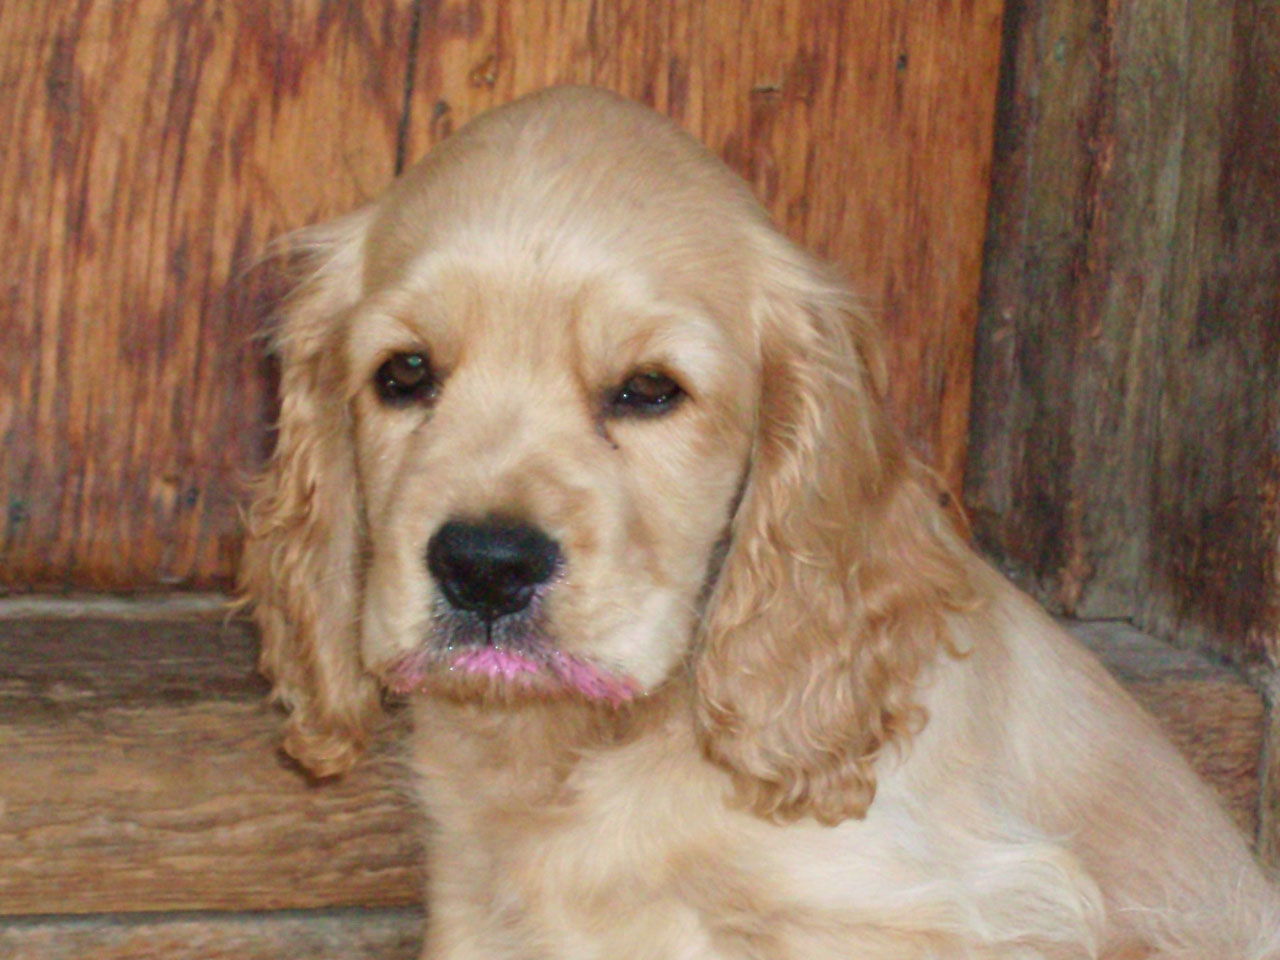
(300, 569)
(839, 574)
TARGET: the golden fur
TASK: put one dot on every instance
(827, 728)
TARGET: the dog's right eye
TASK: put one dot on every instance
(405, 378)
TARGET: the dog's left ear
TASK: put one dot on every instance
(840, 570)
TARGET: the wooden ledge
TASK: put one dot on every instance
(297, 935)
(141, 773)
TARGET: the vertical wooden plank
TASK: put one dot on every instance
(1051, 147)
(864, 127)
(1126, 437)
(1214, 574)
(1214, 541)
(151, 148)
(1014, 487)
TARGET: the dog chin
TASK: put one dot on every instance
(503, 672)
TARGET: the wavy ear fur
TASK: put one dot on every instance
(299, 572)
(839, 575)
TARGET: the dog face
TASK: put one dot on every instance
(548, 453)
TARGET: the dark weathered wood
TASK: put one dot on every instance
(864, 127)
(141, 773)
(328, 935)
(1124, 458)
(1214, 575)
(150, 149)
(57, 665)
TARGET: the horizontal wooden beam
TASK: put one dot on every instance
(297, 935)
(141, 773)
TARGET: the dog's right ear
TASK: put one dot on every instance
(299, 572)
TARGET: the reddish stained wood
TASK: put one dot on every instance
(864, 127)
(151, 149)
(155, 149)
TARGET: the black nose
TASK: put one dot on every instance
(490, 567)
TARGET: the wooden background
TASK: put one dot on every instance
(153, 147)
(1125, 458)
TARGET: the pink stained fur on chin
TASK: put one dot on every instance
(495, 662)
(592, 682)
(511, 666)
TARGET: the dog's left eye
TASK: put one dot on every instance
(405, 378)
(646, 393)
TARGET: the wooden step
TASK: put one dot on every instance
(292, 935)
(141, 789)
(141, 772)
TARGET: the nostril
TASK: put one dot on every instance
(491, 567)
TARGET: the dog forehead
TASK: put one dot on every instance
(576, 287)
(569, 171)
(532, 312)
(575, 229)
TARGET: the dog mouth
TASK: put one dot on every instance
(507, 655)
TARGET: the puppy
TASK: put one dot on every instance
(584, 458)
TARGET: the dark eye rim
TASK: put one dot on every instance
(628, 400)
(397, 386)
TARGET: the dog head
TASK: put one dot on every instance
(563, 416)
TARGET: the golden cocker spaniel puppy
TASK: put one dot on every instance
(583, 457)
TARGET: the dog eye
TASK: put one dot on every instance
(646, 394)
(405, 378)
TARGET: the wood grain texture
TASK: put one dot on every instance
(1215, 571)
(864, 127)
(154, 147)
(1125, 453)
(141, 773)
(328, 935)
(150, 150)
